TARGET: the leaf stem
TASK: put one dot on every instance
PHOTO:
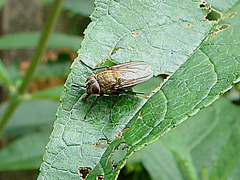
(56, 7)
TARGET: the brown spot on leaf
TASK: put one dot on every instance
(134, 34)
(190, 24)
(139, 115)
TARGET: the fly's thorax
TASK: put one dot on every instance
(92, 86)
(107, 80)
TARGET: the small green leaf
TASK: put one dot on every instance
(12, 71)
(2, 3)
(30, 116)
(83, 7)
(56, 68)
(30, 40)
(160, 162)
(25, 152)
(51, 93)
(4, 77)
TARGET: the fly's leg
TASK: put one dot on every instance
(102, 67)
(111, 109)
(92, 105)
(93, 69)
(137, 93)
(125, 91)
(78, 86)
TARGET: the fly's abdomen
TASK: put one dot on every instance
(107, 80)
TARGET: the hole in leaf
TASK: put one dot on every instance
(222, 26)
(218, 29)
(100, 177)
(118, 154)
(134, 170)
(203, 4)
(213, 16)
(164, 76)
(102, 143)
(108, 62)
(113, 51)
(148, 86)
(83, 172)
(230, 15)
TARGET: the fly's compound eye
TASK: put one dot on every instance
(96, 88)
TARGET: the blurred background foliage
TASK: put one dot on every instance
(24, 139)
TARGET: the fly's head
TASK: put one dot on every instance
(92, 86)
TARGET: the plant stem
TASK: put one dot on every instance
(33, 65)
(42, 44)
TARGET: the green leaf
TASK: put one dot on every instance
(208, 140)
(30, 116)
(4, 77)
(2, 3)
(83, 7)
(59, 68)
(56, 68)
(30, 39)
(11, 72)
(172, 36)
(51, 93)
(25, 152)
(161, 162)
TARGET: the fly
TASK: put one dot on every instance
(118, 79)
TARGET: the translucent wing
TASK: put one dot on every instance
(132, 73)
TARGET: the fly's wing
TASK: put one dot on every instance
(132, 73)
